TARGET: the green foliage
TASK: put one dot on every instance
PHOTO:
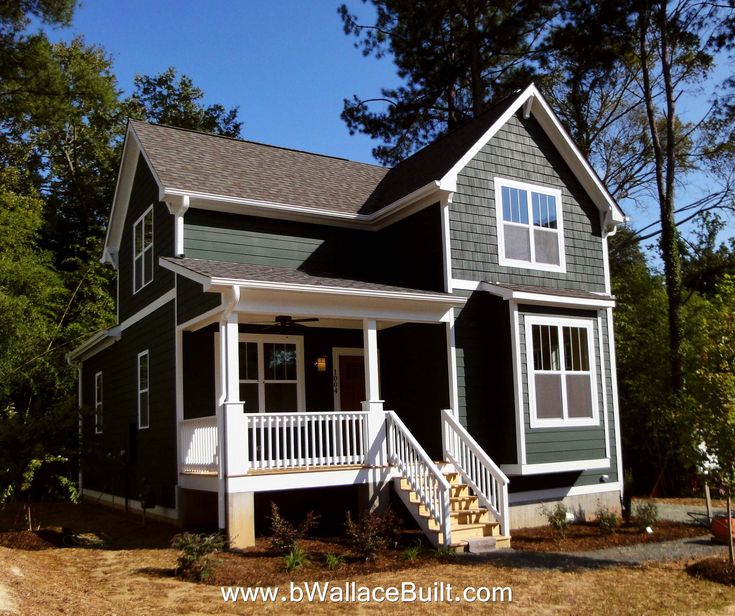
(372, 533)
(445, 554)
(334, 561)
(645, 514)
(295, 559)
(284, 535)
(194, 561)
(606, 520)
(413, 552)
(172, 99)
(557, 518)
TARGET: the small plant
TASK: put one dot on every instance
(606, 520)
(334, 561)
(195, 551)
(294, 559)
(284, 535)
(412, 552)
(557, 517)
(445, 554)
(645, 514)
(372, 532)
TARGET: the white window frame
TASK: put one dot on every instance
(262, 339)
(99, 389)
(499, 183)
(565, 422)
(146, 253)
(147, 390)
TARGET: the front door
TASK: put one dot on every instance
(271, 373)
(349, 381)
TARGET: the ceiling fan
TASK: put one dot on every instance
(287, 322)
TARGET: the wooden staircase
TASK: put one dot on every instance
(474, 528)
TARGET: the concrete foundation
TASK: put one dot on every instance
(525, 515)
(241, 520)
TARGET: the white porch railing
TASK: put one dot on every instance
(199, 445)
(282, 441)
(425, 479)
(477, 469)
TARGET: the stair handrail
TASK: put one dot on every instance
(477, 469)
(419, 470)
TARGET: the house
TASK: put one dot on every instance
(441, 331)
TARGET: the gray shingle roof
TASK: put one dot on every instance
(527, 288)
(198, 162)
(283, 275)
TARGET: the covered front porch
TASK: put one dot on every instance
(284, 386)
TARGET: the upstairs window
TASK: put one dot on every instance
(143, 250)
(561, 381)
(98, 403)
(143, 391)
(530, 231)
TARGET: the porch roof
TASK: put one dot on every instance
(534, 294)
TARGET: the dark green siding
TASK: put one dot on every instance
(521, 151)
(123, 457)
(199, 375)
(408, 253)
(191, 301)
(144, 194)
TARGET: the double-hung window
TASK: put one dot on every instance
(561, 372)
(98, 403)
(530, 230)
(143, 250)
(143, 391)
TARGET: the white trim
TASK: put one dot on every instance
(452, 364)
(119, 503)
(446, 244)
(606, 265)
(147, 390)
(94, 344)
(338, 352)
(147, 250)
(560, 323)
(260, 340)
(99, 407)
(204, 319)
(615, 403)
(177, 207)
(179, 360)
(515, 341)
(159, 302)
(499, 183)
(465, 285)
(555, 467)
(603, 387)
(552, 493)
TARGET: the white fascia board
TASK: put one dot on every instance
(121, 200)
(544, 299)
(93, 345)
(555, 467)
(519, 498)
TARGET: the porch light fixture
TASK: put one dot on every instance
(321, 363)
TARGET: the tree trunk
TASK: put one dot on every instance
(729, 526)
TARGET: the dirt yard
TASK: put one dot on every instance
(132, 575)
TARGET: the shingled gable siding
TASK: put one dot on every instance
(521, 151)
(144, 194)
(149, 453)
(407, 253)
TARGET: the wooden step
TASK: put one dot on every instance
(462, 503)
(453, 478)
(471, 516)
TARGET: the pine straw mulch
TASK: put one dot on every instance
(587, 537)
(718, 570)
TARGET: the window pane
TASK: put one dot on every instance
(148, 226)
(548, 396)
(148, 259)
(579, 395)
(248, 361)
(138, 233)
(517, 243)
(576, 349)
(280, 397)
(544, 210)
(143, 372)
(144, 415)
(515, 205)
(98, 390)
(546, 245)
(545, 347)
(249, 395)
(138, 272)
(505, 195)
(280, 361)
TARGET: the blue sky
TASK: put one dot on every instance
(286, 63)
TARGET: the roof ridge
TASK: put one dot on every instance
(251, 142)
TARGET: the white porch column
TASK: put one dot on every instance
(233, 420)
(372, 400)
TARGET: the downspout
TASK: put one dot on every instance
(231, 301)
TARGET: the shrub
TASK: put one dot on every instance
(445, 554)
(372, 532)
(557, 518)
(334, 561)
(606, 520)
(645, 513)
(294, 559)
(285, 535)
(195, 550)
(412, 552)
